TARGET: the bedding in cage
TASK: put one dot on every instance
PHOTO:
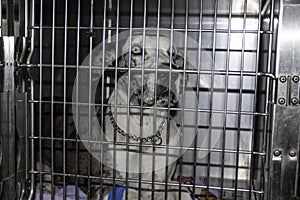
(216, 113)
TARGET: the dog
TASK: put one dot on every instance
(138, 122)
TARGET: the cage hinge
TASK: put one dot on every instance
(288, 90)
(24, 50)
(23, 56)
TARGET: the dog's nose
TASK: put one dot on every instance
(147, 101)
(148, 95)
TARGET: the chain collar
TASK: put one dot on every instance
(154, 139)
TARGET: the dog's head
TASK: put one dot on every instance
(154, 65)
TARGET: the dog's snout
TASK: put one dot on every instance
(148, 96)
(148, 100)
(159, 95)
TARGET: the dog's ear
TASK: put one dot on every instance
(97, 55)
(119, 64)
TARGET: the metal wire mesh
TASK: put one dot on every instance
(229, 72)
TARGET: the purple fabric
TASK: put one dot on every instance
(59, 194)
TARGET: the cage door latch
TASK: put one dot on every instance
(288, 90)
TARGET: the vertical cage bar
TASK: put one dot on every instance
(155, 95)
(269, 99)
(23, 26)
(211, 97)
(91, 30)
(198, 99)
(240, 100)
(65, 114)
(226, 98)
(184, 79)
(142, 94)
(115, 89)
(40, 110)
(77, 139)
(128, 97)
(103, 88)
(31, 31)
(253, 164)
(31, 21)
(52, 96)
(32, 149)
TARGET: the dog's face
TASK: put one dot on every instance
(153, 75)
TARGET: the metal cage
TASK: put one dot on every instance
(236, 111)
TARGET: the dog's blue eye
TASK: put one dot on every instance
(136, 50)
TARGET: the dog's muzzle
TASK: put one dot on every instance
(148, 95)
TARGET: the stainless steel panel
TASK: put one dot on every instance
(8, 157)
(7, 121)
(285, 139)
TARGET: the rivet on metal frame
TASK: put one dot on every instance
(282, 79)
(277, 152)
(281, 101)
(296, 79)
(292, 153)
(294, 100)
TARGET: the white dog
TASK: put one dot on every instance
(138, 124)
